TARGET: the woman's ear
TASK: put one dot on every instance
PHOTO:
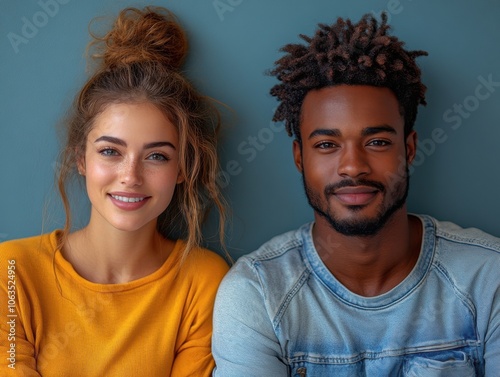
(180, 178)
(80, 163)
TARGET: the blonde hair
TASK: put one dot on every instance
(140, 60)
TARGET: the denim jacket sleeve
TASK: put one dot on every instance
(492, 338)
(473, 259)
(244, 342)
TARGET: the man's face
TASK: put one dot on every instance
(354, 156)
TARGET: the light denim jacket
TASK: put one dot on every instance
(280, 312)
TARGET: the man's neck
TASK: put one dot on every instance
(371, 265)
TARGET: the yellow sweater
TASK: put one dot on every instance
(54, 323)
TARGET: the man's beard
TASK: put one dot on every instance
(359, 227)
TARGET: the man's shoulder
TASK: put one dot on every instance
(467, 259)
(280, 256)
(268, 274)
(279, 246)
(466, 238)
(462, 252)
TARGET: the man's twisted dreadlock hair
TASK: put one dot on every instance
(352, 54)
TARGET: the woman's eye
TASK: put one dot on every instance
(158, 157)
(108, 152)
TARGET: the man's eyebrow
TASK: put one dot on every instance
(372, 130)
(368, 131)
(325, 132)
(115, 140)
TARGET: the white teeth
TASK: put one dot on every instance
(127, 200)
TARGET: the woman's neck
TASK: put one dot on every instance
(106, 255)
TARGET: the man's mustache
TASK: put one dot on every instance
(331, 188)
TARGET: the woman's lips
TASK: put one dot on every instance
(128, 201)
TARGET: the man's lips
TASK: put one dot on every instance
(356, 195)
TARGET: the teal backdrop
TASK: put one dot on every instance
(232, 43)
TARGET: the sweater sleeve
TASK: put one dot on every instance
(244, 340)
(15, 341)
(193, 355)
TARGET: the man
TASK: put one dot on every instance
(367, 289)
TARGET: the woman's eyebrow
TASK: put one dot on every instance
(115, 140)
(111, 139)
(158, 144)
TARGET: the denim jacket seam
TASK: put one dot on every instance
(432, 256)
(267, 303)
(430, 228)
(304, 276)
(472, 241)
(270, 254)
(462, 296)
(374, 355)
(276, 315)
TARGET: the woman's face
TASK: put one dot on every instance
(131, 165)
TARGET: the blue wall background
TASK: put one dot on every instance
(233, 42)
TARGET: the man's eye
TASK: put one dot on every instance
(325, 145)
(379, 143)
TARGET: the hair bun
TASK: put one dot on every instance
(151, 34)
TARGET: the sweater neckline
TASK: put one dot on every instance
(169, 265)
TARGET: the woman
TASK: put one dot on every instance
(121, 297)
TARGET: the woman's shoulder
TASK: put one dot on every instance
(29, 248)
(203, 262)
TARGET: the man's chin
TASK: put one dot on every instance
(358, 225)
(358, 228)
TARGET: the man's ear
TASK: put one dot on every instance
(411, 146)
(297, 155)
